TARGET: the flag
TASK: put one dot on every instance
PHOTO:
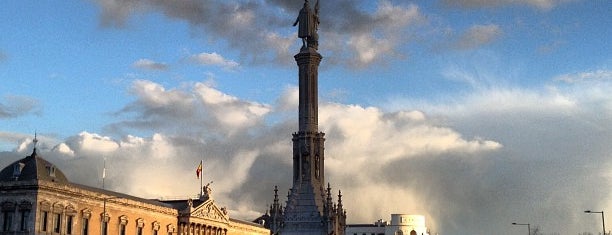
(104, 169)
(199, 170)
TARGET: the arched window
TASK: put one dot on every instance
(399, 232)
(123, 221)
(413, 232)
(140, 223)
(86, 213)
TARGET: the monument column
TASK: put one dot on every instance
(308, 211)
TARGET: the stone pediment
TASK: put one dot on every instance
(210, 211)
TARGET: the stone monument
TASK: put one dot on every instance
(310, 209)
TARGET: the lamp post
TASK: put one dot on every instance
(603, 223)
(528, 228)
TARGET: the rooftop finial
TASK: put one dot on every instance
(35, 139)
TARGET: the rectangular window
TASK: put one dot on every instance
(139, 231)
(85, 227)
(104, 228)
(25, 216)
(154, 232)
(69, 220)
(43, 224)
(8, 221)
(122, 229)
(57, 222)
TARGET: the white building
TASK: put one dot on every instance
(401, 224)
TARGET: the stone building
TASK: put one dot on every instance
(37, 198)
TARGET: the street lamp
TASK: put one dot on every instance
(528, 228)
(603, 223)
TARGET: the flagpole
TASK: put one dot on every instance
(202, 179)
(104, 173)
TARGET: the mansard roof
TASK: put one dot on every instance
(32, 167)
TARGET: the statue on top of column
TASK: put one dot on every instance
(308, 25)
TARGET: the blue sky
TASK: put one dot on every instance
(66, 49)
(475, 87)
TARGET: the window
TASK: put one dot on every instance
(140, 223)
(85, 221)
(122, 229)
(69, 220)
(51, 170)
(85, 226)
(17, 168)
(104, 228)
(123, 220)
(155, 227)
(8, 221)
(57, 222)
(170, 229)
(25, 216)
(43, 218)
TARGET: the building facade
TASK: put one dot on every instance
(400, 224)
(37, 198)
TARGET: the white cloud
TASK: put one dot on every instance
(229, 110)
(150, 65)
(493, 153)
(215, 60)
(601, 74)
(64, 149)
(358, 138)
(478, 35)
(92, 143)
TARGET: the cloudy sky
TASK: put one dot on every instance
(474, 113)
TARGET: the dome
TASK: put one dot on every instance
(32, 167)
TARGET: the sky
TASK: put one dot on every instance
(474, 113)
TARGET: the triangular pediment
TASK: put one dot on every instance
(210, 211)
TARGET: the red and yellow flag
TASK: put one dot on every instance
(199, 170)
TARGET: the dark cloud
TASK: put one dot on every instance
(150, 65)
(16, 106)
(262, 32)
(541, 4)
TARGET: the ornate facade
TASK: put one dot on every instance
(37, 198)
(309, 208)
